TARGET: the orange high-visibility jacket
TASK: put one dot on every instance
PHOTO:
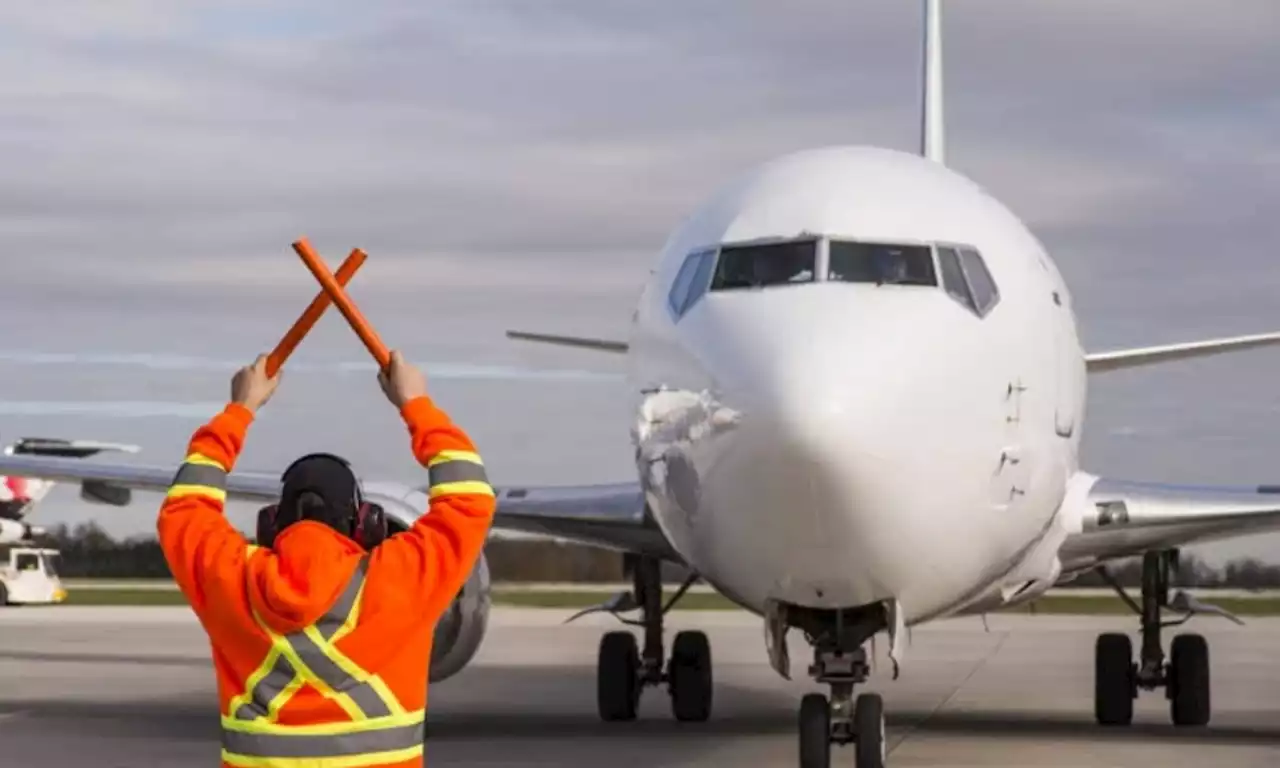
(321, 649)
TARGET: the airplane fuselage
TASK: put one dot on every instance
(832, 441)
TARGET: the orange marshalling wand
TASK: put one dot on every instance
(344, 304)
(311, 315)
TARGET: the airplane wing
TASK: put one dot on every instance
(1100, 362)
(1125, 518)
(612, 516)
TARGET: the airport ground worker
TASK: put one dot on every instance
(321, 637)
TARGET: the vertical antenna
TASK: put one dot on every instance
(932, 119)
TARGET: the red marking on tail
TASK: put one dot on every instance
(15, 488)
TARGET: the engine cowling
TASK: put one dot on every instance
(14, 531)
(461, 629)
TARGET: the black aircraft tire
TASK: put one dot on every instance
(617, 677)
(815, 731)
(1189, 680)
(1113, 681)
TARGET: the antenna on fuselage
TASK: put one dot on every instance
(932, 119)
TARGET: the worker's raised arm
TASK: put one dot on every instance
(440, 549)
(205, 553)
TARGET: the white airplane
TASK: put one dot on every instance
(859, 395)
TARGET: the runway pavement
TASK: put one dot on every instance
(116, 687)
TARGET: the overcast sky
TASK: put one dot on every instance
(519, 163)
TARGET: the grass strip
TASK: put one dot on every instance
(575, 599)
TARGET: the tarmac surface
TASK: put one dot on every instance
(116, 687)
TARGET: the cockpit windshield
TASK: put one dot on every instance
(763, 264)
(881, 263)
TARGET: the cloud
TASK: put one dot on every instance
(150, 363)
(477, 141)
(508, 162)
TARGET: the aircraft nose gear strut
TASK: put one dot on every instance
(840, 660)
(1185, 676)
(623, 670)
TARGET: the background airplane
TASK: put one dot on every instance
(19, 496)
(859, 398)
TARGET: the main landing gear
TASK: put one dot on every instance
(1185, 677)
(624, 669)
(840, 660)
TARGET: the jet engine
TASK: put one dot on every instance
(15, 531)
(461, 629)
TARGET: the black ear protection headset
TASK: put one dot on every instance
(368, 522)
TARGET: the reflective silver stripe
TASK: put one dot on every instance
(324, 745)
(333, 619)
(268, 688)
(456, 471)
(201, 474)
(361, 693)
(282, 672)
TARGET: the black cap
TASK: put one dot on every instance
(328, 477)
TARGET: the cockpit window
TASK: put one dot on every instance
(680, 286)
(760, 265)
(953, 277)
(701, 278)
(967, 280)
(691, 281)
(981, 284)
(881, 263)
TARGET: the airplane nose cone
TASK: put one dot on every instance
(825, 451)
(816, 364)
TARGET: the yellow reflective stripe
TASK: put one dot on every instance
(200, 458)
(470, 486)
(356, 671)
(451, 455)
(370, 697)
(349, 623)
(336, 728)
(324, 747)
(208, 491)
(199, 475)
(252, 735)
(277, 703)
(351, 761)
(301, 669)
(262, 671)
(330, 650)
(457, 472)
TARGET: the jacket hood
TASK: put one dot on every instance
(312, 565)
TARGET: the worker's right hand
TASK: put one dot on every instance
(401, 381)
(252, 387)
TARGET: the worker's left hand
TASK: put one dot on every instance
(252, 387)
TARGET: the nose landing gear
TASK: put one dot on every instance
(840, 660)
(844, 719)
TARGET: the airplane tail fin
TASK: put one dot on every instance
(932, 115)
